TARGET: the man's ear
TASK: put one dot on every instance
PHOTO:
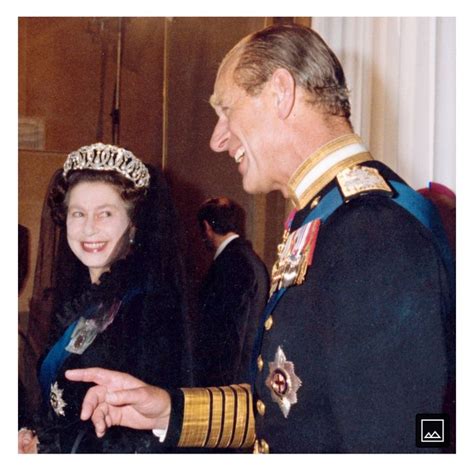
(207, 227)
(284, 89)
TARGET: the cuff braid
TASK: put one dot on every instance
(218, 417)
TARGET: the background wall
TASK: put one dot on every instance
(72, 73)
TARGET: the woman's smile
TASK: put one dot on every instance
(93, 247)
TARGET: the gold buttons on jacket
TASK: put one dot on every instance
(260, 408)
(265, 448)
(261, 447)
(269, 323)
(260, 363)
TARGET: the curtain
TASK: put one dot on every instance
(402, 74)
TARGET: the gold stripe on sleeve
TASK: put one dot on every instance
(195, 417)
(249, 438)
(228, 417)
(218, 417)
(240, 416)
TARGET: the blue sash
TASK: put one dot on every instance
(54, 361)
(58, 354)
(410, 200)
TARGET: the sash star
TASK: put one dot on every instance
(56, 399)
(283, 382)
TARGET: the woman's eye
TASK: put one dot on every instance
(77, 214)
(104, 214)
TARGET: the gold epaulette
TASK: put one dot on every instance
(218, 417)
(357, 180)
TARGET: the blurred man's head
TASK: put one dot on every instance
(219, 217)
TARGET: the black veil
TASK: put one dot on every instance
(60, 279)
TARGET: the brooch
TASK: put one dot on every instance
(283, 382)
(84, 333)
(56, 399)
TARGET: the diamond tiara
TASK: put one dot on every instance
(101, 156)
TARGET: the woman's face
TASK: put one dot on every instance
(98, 226)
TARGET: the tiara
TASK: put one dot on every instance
(101, 156)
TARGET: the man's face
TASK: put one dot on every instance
(245, 130)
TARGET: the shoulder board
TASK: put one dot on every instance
(358, 180)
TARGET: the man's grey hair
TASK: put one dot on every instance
(302, 52)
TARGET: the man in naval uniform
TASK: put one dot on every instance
(357, 338)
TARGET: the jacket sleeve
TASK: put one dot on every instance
(211, 417)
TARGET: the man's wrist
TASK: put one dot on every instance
(162, 423)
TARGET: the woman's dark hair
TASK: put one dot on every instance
(59, 194)
(151, 210)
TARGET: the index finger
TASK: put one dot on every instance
(110, 379)
(91, 375)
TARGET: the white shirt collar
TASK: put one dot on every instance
(224, 244)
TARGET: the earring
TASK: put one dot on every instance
(131, 241)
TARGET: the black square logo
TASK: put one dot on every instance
(432, 430)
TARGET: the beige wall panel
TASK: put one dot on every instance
(195, 48)
(141, 93)
(66, 78)
(35, 169)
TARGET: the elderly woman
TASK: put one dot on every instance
(118, 300)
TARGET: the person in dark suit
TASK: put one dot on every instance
(232, 297)
(357, 339)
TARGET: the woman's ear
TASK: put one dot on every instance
(284, 88)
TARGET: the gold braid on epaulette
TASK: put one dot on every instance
(218, 417)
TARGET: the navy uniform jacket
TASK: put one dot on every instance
(365, 332)
(369, 336)
(232, 300)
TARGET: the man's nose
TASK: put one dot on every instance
(220, 136)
